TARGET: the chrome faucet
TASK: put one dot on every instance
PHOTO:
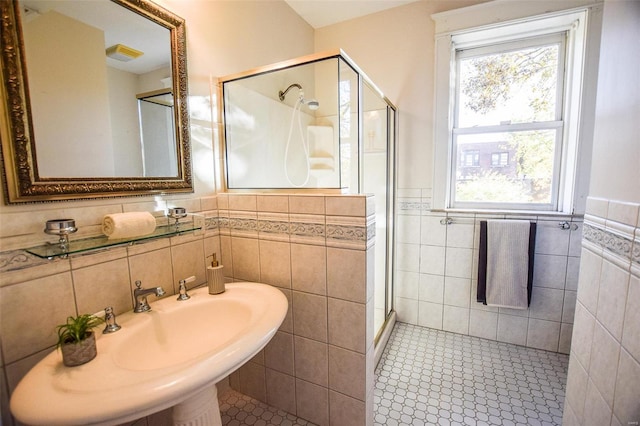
(140, 294)
(111, 326)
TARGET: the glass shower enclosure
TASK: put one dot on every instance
(315, 124)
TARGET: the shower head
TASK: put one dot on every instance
(312, 104)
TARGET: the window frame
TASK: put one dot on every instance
(574, 23)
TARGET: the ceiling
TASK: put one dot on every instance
(320, 13)
(119, 26)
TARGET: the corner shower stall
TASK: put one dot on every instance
(315, 124)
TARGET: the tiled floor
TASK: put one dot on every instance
(237, 409)
(432, 377)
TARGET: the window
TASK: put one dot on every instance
(509, 94)
(499, 159)
(471, 158)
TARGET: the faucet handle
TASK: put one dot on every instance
(110, 320)
(183, 288)
(139, 284)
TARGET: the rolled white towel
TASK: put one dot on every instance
(128, 225)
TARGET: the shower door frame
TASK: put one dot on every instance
(220, 159)
(221, 171)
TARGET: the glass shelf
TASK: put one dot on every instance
(51, 250)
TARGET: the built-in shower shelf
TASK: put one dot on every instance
(320, 154)
(53, 250)
(324, 163)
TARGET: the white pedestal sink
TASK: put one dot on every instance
(171, 356)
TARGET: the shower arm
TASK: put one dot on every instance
(282, 94)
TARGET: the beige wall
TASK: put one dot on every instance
(65, 99)
(222, 38)
(124, 112)
(603, 381)
(225, 37)
(395, 48)
(616, 144)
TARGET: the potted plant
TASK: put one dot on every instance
(76, 339)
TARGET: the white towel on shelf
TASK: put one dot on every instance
(128, 225)
(507, 263)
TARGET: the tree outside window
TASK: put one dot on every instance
(510, 93)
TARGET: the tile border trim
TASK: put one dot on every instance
(15, 260)
(347, 233)
(612, 241)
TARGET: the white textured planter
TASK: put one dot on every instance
(79, 353)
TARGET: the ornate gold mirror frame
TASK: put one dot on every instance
(22, 183)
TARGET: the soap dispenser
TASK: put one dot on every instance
(215, 278)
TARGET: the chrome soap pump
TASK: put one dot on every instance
(215, 277)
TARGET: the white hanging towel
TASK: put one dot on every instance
(507, 263)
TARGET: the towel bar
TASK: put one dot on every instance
(561, 225)
(567, 225)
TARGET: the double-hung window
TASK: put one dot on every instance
(510, 94)
(512, 114)
(499, 159)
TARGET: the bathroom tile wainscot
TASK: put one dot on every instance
(318, 249)
(603, 383)
(437, 269)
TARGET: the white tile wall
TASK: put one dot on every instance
(604, 373)
(631, 331)
(611, 303)
(429, 315)
(455, 319)
(445, 261)
(431, 287)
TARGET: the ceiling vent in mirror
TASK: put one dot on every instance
(123, 53)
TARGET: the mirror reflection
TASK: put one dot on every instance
(100, 89)
(157, 131)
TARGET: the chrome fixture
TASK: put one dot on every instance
(183, 291)
(177, 213)
(62, 228)
(183, 288)
(446, 221)
(281, 94)
(140, 295)
(312, 104)
(110, 321)
(567, 225)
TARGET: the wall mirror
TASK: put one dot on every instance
(94, 100)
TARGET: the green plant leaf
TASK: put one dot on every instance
(76, 328)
